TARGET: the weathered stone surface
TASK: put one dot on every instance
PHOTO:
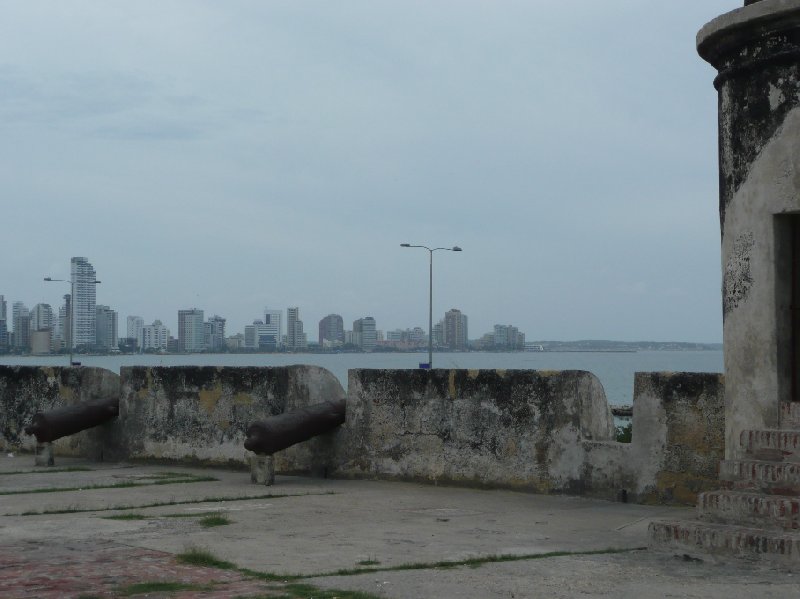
(756, 50)
(201, 413)
(514, 428)
(678, 424)
(25, 390)
(721, 539)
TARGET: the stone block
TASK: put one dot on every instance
(262, 470)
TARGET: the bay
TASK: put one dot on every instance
(614, 369)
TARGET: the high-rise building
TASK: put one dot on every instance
(84, 309)
(191, 330)
(64, 313)
(3, 324)
(365, 329)
(134, 330)
(21, 320)
(155, 336)
(41, 317)
(295, 337)
(455, 329)
(331, 331)
(215, 333)
(273, 320)
(107, 334)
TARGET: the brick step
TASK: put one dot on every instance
(790, 415)
(779, 478)
(750, 509)
(723, 539)
(782, 445)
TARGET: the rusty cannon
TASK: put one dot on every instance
(60, 422)
(284, 430)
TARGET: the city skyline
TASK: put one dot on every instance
(96, 326)
(255, 154)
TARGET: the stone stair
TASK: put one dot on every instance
(757, 512)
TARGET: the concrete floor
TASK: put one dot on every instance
(314, 527)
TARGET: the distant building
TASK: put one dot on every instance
(134, 330)
(331, 331)
(41, 329)
(260, 336)
(3, 324)
(215, 333)
(235, 342)
(364, 328)
(455, 329)
(507, 336)
(191, 330)
(155, 337)
(272, 322)
(21, 320)
(295, 337)
(106, 332)
(41, 317)
(84, 310)
(40, 341)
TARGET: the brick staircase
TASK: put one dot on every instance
(757, 513)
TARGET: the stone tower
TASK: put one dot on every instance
(756, 51)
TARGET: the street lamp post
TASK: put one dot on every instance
(71, 312)
(455, 248)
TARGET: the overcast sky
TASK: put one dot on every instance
(237, 155)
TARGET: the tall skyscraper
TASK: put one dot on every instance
(21, 320)
(331, 331)
(107, 336)
(134, 330)
(273, 322)
(84, 309)
(214, 335)
(455, 329)
(191, 330)
(295, 337)
(41, 317)
(3, 323)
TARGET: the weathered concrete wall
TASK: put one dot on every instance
(25, 390)
(756, 50)
(542, 431)
(678, 442)
(201, 413)
(520, 429)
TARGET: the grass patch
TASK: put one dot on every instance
(203, 557)
(212, 520)
(307, 591)
(125, 517)
(166, 503)
(120, 485)
(624, 434)
(141, 588)
(48, 471)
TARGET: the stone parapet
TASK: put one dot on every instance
(25, 390)
(200, 414)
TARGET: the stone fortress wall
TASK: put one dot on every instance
(540, 431)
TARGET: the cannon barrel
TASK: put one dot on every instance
(284, 430)
(60, 422)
